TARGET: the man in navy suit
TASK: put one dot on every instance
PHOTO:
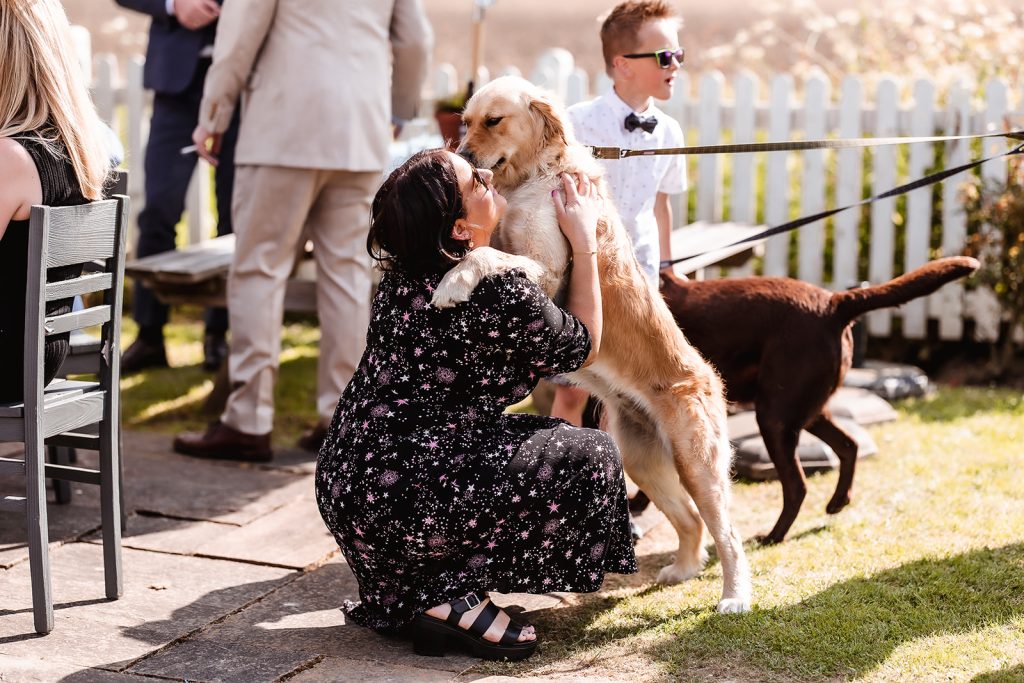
(179, 54)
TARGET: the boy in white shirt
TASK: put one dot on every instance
(640, 42)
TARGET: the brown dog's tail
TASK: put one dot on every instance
(919, 282)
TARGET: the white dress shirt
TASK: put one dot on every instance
(634, 182)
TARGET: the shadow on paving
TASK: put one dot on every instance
(165, 493)
(845, 631)
(293, 627)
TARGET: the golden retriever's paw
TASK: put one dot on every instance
(734, 606)
(533, 270)
(455, 287)
(458, 284)
(677, 573)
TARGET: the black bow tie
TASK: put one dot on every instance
(633, 122)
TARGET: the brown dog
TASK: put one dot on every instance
(785, 345)
(665, 403)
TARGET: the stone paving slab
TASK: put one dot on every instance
(302, 618)
(160, 482)
(294, 460)
(65, 522)
(165, 597)
(292, 536)
(24, 670)
(166, 534)
(338, 670)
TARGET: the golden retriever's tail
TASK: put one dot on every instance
(918, 282)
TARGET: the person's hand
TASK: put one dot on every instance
(578, 212)
(207, 144)
(195, 14)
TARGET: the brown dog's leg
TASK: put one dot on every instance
(781, 441)
(846, 450)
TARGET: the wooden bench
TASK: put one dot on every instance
(197, 274)
(704, 241)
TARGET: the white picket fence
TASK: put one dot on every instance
(713, 110)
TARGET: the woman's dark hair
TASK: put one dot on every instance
(413, 214)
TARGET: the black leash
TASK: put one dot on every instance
(792, 145)
(895, 192)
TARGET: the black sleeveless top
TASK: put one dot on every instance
(60, 188)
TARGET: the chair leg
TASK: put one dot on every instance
(61, 455)
(38, 534)
(120, 480)
(110, 505)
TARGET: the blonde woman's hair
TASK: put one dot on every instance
(43, 91)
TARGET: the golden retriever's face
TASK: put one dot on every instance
(513, 129)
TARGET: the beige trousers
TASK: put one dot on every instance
(270, 207)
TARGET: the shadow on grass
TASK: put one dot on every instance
(1013, 674)
(844, 631)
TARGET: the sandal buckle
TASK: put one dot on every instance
(472, 600)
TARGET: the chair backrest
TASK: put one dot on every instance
(69, 236)
(117, 184)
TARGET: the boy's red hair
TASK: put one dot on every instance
(622, 25)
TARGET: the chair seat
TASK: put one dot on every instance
(67, 405)
(55, 392)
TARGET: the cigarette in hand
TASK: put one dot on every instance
(191, 149)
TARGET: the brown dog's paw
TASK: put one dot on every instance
(767, 539)
(837, 503)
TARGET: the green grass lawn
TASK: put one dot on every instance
(173, 399)
(921, 578)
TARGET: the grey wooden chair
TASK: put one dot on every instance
(60, 413)
(85, 358)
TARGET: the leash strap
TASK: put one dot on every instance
(792, 145)
(902, 189)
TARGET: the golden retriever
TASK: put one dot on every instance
(665, 404)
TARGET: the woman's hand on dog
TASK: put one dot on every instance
(577, 215)
(578, 212)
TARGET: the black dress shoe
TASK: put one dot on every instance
(215, 351)
(221, 442)
(312, 439)
(141, 355)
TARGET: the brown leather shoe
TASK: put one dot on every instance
(221, 442)
(312, 439)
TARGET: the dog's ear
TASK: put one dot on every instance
(554, 131)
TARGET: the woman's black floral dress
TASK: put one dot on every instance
(432, 491)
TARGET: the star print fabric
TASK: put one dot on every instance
(432, 491)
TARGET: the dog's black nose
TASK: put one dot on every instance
(468, 156)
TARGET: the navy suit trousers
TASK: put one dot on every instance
(167, 176)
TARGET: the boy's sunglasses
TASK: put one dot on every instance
(664, 57)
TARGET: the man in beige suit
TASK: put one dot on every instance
(317, 116)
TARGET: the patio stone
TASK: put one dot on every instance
(337, 670)
(29, 670)
(292, 536)
(65, 522)
(160, 482)
(165, 597)
(862, 406)
(302, 619)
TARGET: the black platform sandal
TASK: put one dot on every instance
(431, 635)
